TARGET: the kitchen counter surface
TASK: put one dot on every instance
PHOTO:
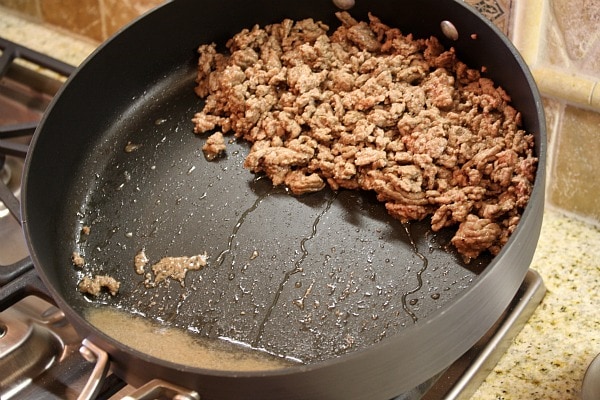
(548, 358)
(59, 44)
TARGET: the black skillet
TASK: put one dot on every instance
(372, 307)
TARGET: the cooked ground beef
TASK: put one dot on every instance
(175, 268)
(139, 261)
(95, 285)
(214, 146)
(370, 108)
(77, 259)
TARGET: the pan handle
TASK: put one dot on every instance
(94, 354)
(158, 389)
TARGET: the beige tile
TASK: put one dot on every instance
(553, 51)
(528, 21)
(78, 16)
(27, 7)
(574, 35)
(574, 184)
(553, 110)
(120, 12)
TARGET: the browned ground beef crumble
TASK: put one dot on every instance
(370, 108)
(95, 285)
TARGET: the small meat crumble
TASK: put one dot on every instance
(370, 108)
(77, 260)
(95, 285)
(214, 146)
(140, 261)
(175, 268)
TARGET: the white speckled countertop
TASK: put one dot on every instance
(549, 357)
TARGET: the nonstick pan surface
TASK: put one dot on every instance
(313, 277)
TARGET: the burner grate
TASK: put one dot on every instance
(12, 51)
(25, 93)
(23, 88)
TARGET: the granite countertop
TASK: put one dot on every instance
(61, 45)
(548, 358)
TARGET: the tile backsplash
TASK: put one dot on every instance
(95, 19)
(572, 35)
(559, 40)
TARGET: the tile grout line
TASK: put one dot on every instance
(592, 92)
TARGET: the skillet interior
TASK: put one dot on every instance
(169, 198)
(309, 277)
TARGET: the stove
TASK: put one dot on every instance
(42, 356)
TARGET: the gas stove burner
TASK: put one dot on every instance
(12, 245)
(39, 349)
(28, 82)
(30, 343)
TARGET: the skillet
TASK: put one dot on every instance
(373, 307)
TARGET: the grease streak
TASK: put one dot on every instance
(290, 273)
(424, 264)
(236, 228)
